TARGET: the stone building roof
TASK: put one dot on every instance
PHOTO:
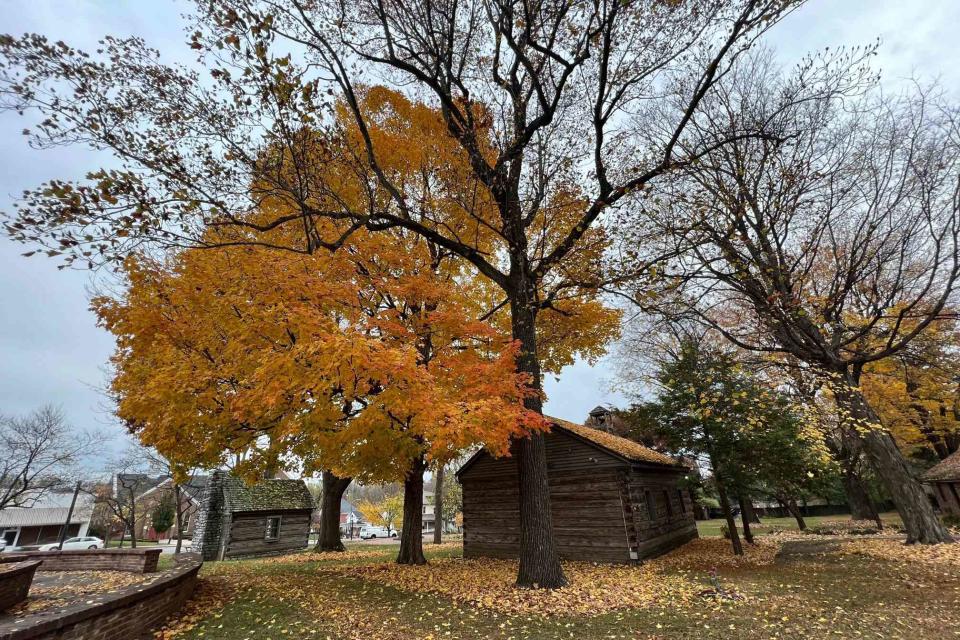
(266, 495)
(945, 471)
(633, 451)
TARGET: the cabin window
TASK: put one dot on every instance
(683, 506)
(273, 529)
(666, 501)
(651, 507)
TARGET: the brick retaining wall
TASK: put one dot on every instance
(136, 560)
(15, 580)
(128, 614)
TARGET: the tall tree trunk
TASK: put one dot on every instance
(539, 557)
(746, 508)
(746, 511)
(333, 488)
(863, 424)
(794, 510)
(861, 506)
(728, 513)
(438, 507)
(411, 534)
(177, 496)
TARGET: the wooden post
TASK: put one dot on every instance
(66, 525)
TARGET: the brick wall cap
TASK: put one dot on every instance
(11, 569)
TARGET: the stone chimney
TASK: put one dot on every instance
(208, 531)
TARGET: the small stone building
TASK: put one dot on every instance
(612, 499)
(239, 520)
(945, 480)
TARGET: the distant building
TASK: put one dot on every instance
(350, 519)
(429, 512)
(240, 520)
(191, 494)
(42, 523)
(612, 499)
(945, 480)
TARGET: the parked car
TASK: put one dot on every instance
(368, 532)
(88, 542)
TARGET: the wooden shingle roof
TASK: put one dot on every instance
(625, 449)
(945, 471)
(266, 495)
(632, 451)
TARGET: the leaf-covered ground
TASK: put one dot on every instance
(53, 589)
(844, 588)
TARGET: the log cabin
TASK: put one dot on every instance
(237, 520)
(944, 478)
(612, 499)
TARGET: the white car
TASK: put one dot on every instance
(71, 544)
(368, 532)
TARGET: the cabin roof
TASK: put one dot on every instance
(622, 448)
(266, 495)
(632, 451)
(945, 471)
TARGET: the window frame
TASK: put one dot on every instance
(267, 529)
(651, 505)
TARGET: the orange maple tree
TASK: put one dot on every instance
(370, 361)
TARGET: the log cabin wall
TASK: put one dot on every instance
(597, 499)
(661, 513)
(247, 533)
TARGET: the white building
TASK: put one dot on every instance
(41, 524)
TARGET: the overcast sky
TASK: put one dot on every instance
(50, 347)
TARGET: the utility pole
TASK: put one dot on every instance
(66, 525)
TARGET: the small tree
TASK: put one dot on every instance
(163, 515)
(709, 405)
(387, 513)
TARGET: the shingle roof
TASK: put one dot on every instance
(944, 471)
(266, 495)
(633, 451)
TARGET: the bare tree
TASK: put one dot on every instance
(158, 464)
(118, 496)
(39, 453)
(544, 98)
(834, 240)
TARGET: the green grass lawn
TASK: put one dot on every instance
(707, 528)
(833, 595)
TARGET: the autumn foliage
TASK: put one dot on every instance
(357, 360)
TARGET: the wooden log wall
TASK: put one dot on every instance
(598, 505)
(247, 531)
